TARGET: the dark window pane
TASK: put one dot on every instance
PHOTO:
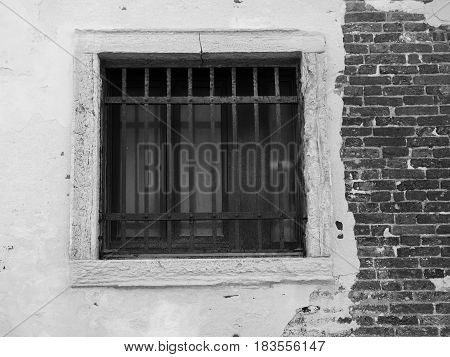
(135, 82)
(115, 155)
(222, 82)
(140, 237)
(244, 81)
(113, 82)
(266, 81)
(145, 133)
(157, 82)
(287, 81)
(200, 79)
(179, 82)
(210, 179)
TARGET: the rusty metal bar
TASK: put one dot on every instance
(279, 167)
(146, 140)
(258, 156)
(123, 144)
(192, 196)
(146, 82)
(204, 100)
(200, 216)
(169, 164)
(235, 161)
(213, 140)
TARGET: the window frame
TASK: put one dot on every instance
(88, 270)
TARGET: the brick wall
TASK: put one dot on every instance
(396, 125)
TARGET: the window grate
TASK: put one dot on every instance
(155, 122)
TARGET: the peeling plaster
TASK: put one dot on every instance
(442, 284)
(411, 6)
(436, 12)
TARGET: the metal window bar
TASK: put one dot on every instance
(123, 119)
(167, 215)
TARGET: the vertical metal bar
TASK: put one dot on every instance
(215, 152)
(169, 164)
(146, 136)
(136, 153)
(146, 82)
(162, 137)
(235, 162)
(258, 156)
(279, 167)
(192, 195)
(123, 144)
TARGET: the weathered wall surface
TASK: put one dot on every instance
(395, 151)
(396, 127)
(36, 77)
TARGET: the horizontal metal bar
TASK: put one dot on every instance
(199, 216)
(201, 100)
(114, 254)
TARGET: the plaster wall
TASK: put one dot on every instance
(36, 81)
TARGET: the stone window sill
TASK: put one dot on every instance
(198, 272)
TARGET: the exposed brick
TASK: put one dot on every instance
(418, 251)
(435, 262)
(436, 58)
(416, 100)
(396, 154)
(404, 16)
(417, 185)
(374, 331)
(395, 151)
(380, 141)
(396, 262)
(356, 48)
(417, 331)
(383, 101)
(375, 252)
(416, 110)
(398, 69)
(387, 37)
(386, 59)
(393, 27)
(418, 285)
(369, 111)
(411, 47)
(403, 90)
(412, 308)
(397, 320)
(427, 141)
(433, 273)
(432, 79)
(365, 17)
(394, 131)
(443, 308)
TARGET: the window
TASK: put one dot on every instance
(201, 159)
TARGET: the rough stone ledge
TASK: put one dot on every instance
(198, 272)
(163, 41)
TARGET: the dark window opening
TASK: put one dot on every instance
(202, 161)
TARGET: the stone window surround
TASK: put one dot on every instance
(88, 270)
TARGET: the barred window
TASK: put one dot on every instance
(202, 158)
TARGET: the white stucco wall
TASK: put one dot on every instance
(36, 86)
